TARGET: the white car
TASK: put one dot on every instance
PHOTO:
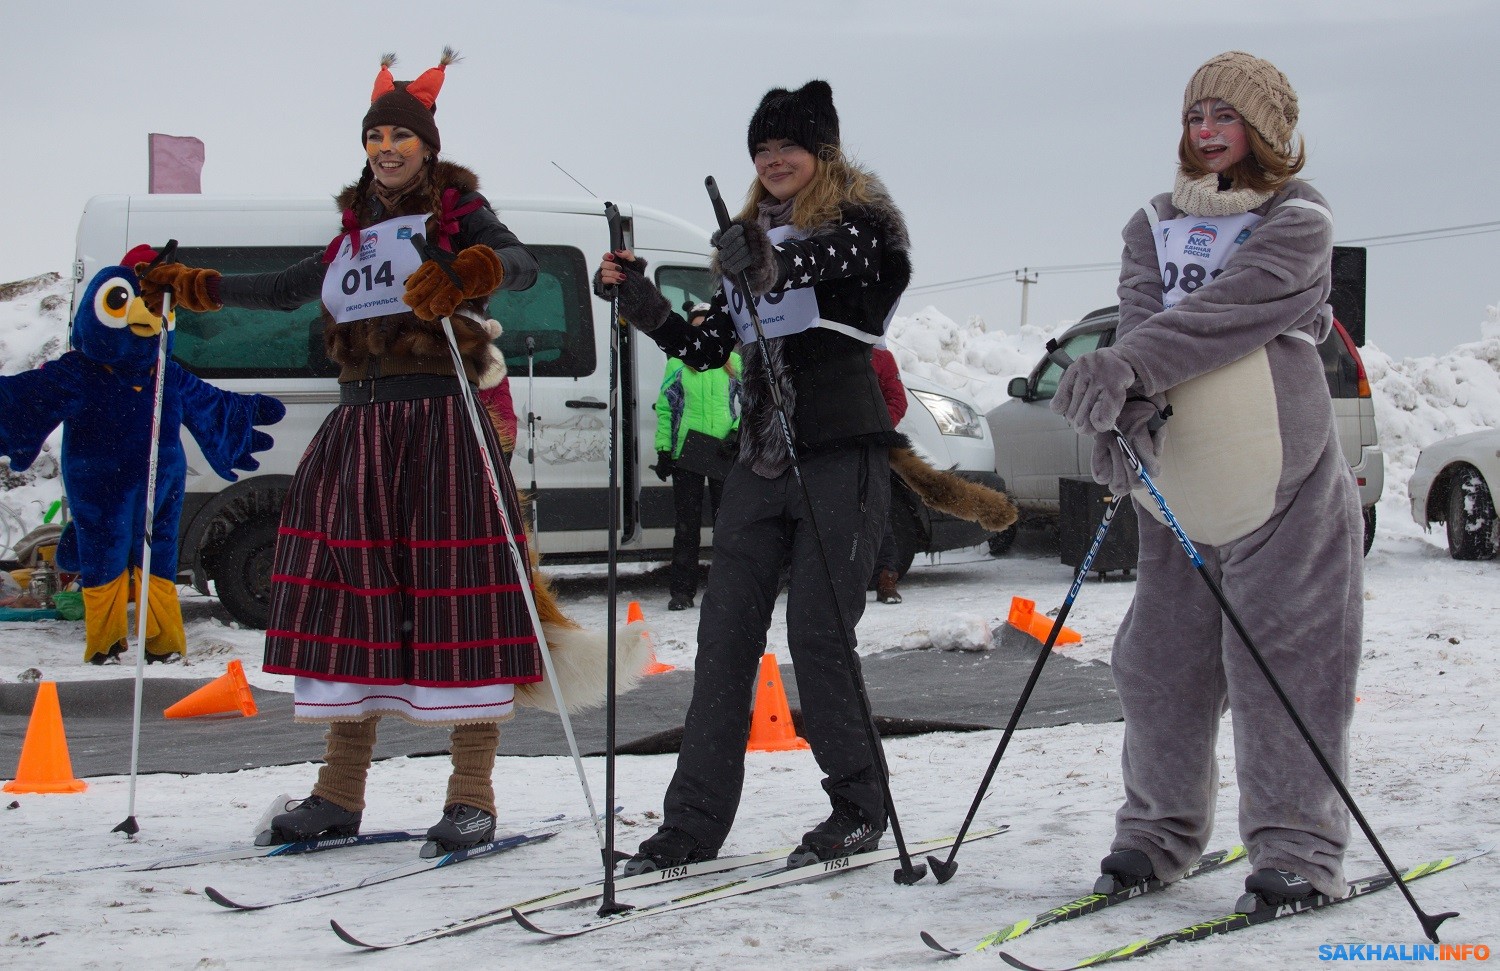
(1034, 447)
(1454, 483)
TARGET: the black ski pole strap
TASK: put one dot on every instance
(442, 258)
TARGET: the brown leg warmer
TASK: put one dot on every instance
(341, 780)
(472, 783)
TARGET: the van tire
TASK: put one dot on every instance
(1473, 528)
(1001, 542)
(1369, 527)
(241, 571)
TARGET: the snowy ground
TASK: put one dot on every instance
(1426, 770)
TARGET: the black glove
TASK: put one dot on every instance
(663, 466)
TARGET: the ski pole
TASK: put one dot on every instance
(1429, 922)
(518, 560)
(944, 869)
(909, 873)
(616, 243)
(128, 825)
(536, 533)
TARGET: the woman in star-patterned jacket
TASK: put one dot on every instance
(825, 251)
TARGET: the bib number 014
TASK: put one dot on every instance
(364, 276)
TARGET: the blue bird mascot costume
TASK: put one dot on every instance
(102, 392)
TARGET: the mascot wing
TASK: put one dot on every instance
(36, 402)
(223, 422)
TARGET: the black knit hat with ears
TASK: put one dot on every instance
(805, 116)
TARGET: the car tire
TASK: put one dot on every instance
(1369, 528)
(1473, 528)
(1001, 542)
(241, 571)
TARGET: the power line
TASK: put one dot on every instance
(1390, 239)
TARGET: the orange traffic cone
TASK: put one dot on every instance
(1023, 617)
(633, 615)
(224, 695)
(45, 765)
(771, 726)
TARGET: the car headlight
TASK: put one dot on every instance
(953, 417)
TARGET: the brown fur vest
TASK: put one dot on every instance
(404, 342)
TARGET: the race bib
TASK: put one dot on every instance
(783, 313)
(1193, 250)
(368, 276)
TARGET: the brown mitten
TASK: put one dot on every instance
(431, 293)
(192, 289)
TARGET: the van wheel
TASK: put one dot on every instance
(1001, 542)
(241, 571)
(1473, 529)
(1369, 528)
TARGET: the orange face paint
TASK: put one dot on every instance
(387, 138)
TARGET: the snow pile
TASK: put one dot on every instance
(957, 632)
(967, 358)
(33, 330)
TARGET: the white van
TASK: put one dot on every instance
(228, 529)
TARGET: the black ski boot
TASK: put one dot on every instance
(111, 656)
(1122, 869)
(312, 818)
(844, 833)
(665, 849)
(1272, 888)
(461, 828)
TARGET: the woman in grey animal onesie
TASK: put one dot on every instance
(1223, 300)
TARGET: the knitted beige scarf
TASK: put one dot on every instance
(1203, 197)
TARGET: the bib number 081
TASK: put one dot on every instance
(1189, 277)
(363, 275)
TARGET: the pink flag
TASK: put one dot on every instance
(176, 163)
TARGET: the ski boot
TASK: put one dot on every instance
(111, 656)
(1271, 888)
(844, 833)
(1123, 869)
(312, 818)
(461, 828)
(664, 849)
(171, 657)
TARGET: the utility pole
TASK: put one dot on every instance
(1025, 279)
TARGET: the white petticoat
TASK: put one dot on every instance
(324, 701)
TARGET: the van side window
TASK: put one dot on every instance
(557, 313)
(1046, 382)
(238, 342)
(684, 286)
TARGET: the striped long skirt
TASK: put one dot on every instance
(392, 576)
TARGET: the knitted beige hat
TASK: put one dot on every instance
(1255, 88)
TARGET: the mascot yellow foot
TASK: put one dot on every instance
(106, 626)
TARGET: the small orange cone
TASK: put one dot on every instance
(1023, 616)
(633, 615)
(225, 695)
(45, 765)
(771, 726)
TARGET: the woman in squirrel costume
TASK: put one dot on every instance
(1223, 300)
(820, 239)
(393, 592)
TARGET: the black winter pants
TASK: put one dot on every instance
(687, 498)
(760, 523)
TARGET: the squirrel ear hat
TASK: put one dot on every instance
(409, 104)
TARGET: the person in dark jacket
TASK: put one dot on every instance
(820, 239)
(392, 591)
(887, 570)
(704, 402)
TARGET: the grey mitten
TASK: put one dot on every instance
(746, 248)
(641, 305)
(1092, 391)
(1109, 463)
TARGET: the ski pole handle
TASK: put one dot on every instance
(443, 259)
(721, 212)
(167, 254)
(616, 227)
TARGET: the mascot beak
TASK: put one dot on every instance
(140, 319)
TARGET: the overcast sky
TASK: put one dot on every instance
(1012, 134)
